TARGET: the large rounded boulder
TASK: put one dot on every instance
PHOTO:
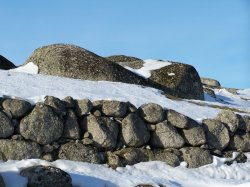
(179, 80)
(76, 62)
(42, 125)
(5, 64)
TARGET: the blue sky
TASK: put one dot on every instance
(212, 35)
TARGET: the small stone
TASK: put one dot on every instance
(86, 135)
(115, 109)
(83, 107)
(48, 157)
(113, 160)
(240, 142)
(177, 119)
(151, 127)
(230, 119)
(6, 127)
(87, 141)
(57, 105)
(97, 113)
(152, 113)
(69, 102)
(71, 127)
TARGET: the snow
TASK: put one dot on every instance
(27, 68)
(148, 66)
(34, 88)
(171, 74)
(155, 172)
(25, 83)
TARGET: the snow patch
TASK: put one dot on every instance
(148, 66)
(30, 68)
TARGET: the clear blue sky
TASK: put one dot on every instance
(212, 35)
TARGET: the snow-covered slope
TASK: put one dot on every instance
(155, 173)
(33, 87)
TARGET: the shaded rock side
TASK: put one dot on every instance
(5, 64)
(6, 127)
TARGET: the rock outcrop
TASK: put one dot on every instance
(5, 64)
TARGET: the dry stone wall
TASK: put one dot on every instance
(116, 133)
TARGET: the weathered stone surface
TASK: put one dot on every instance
(209, 91)
(122, 58)
(83, 107)
(134, 131)
(240, 158)
(166, 136)
(195, 134)
(42, 125)
(103, 130)
(217, 134)
(79, 152)
(166, 156)
(2, 184)
(17, 108)
(69, 102)
(115, 109)
(196, 157)
(180, 80)
(229, 118)
(113, 160)
(6, 127)
(240, 142)
(210, 82)
(18, 150)
(5, 64)
(75, 62)
(177, 119)
(57, 105)
(152, 113)
(71, 127)
(131, 156)
(244, 123)
(46, 176)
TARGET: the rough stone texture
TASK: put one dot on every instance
(135, 64)
(122, 58)
(166, 136)
(69, 102)
(244, 123)
(195, 134)
(196, 157)
(131, 156)
(229, 118)
(209, 91)
(185, 83)
(5, 64)
(17, 108)
(57, 105)
(240, 142)
(166, 156)
(177, 119)
(18, 150)
(46, 176)
(113, 160)
(103, 130)
(2, 184)
(71, 127)
(217, 134)
(83, 107)
(6, 127)
(115, 109)
(152, 113)
(240, 158)
(134, 131)
(42, 125)
(75, 62)
(210, 82)
(79, 152)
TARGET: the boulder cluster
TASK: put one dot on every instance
(116, 133)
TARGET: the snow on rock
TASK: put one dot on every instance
(27, 68)
(91, 175)
(245, 94)
(34, 88)
(148, 66)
